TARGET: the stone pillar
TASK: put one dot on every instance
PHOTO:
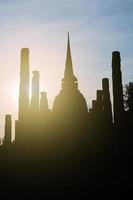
(24, 85)
(44, 108)
(107, 108)
(8, 130)
(94, 105)
(117, 86)
(99, 100)
(34, 106)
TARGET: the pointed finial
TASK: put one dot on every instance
(69, 50)
(68, 74)
(68, 38)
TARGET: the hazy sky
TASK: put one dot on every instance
(97, 27)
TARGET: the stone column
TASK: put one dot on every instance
(24, 85)
(8, 130)
(107, 108)
(117, 86)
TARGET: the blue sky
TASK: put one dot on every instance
(96, 29)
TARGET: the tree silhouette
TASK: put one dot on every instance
(128, 96)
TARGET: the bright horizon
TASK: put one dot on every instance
(96, 29)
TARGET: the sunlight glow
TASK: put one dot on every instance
(13, 93)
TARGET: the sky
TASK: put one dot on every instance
(96, 29)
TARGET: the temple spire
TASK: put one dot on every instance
(68, 75)
(69, 66)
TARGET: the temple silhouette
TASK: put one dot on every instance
(67, 147)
